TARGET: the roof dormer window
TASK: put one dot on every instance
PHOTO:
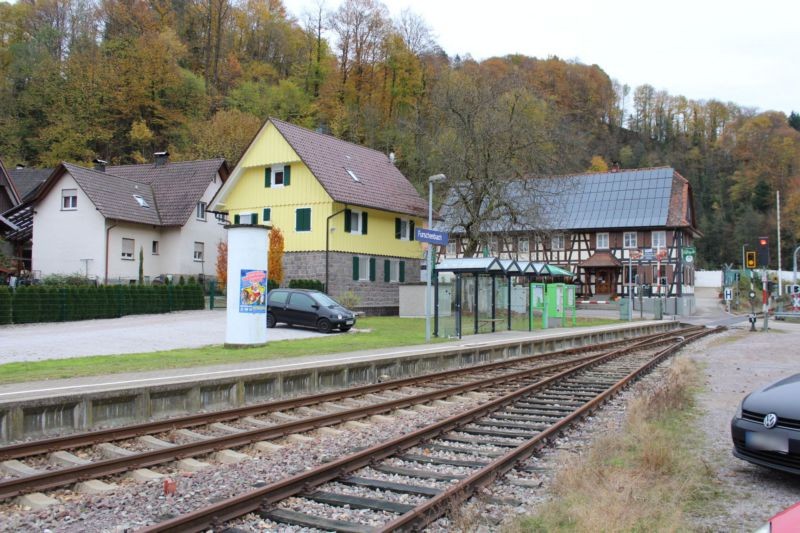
(141, 201)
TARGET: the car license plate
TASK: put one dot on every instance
(766, 442)
(348, 322)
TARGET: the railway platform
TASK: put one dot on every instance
(30, 410)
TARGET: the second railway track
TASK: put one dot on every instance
(485, 442)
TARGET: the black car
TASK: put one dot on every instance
(301, 307)
(766, 428)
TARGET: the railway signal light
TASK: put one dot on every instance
(763, 252)
(750, 260)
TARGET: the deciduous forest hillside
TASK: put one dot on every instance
(120, 79)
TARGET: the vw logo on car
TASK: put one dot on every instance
(770, 420)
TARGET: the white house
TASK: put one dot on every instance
(102, 222)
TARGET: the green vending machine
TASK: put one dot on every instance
(538, 303)
(554, 294)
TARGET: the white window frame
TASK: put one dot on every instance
(605, 238)
(249, 217)
(69, 199)
(626, 240)
(200, 211)
(363, 268)
(273, 173)
(662, 245)
(394, 271)
(405, 227)
(359, 217)
(450, 251)
(557, 242)
(128, 256)
(523, 245)
(199, 257)
(154, 247)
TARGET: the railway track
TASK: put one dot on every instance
(484, 442)
(125, 449)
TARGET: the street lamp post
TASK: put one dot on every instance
(428, 302)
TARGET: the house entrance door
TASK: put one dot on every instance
(604, 281)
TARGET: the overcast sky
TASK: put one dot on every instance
(735, 51)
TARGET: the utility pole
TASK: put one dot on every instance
(780, 282)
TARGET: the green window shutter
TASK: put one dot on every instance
(402, 271)
(386, 270)
(411, 230)
(267, 214)
(235, 219)
(397, 228)
(355, 268)
(347, 222)
(268, 177)
(364, 223)
(255, 218)
(372, 269)
(287, 175)
(303, 219)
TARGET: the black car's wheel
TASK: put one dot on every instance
(324, 325)
(270, 320)
(345, 328)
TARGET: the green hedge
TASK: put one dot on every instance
(40, 303)
(5, 305)
(313, 284)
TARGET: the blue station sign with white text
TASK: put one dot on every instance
(431, 236)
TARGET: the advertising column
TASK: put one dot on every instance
(247, 285)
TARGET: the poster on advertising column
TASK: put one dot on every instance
(253, 291)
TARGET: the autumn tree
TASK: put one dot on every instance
(222, 263)
(275, 259)
(493, 132)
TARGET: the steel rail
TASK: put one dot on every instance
(438, 505)
(237, 506)
(26, 449)
(65, 476)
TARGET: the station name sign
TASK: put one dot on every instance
(431, 236)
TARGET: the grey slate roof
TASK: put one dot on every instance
(171, 190)
(636, 198)
(380, 184)
(28, 180)
(177, 187)
(114, 197)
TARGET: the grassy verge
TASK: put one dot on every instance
(647, 477)
(383, 332)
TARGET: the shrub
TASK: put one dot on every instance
(5, 305)
(67, 280)
(313, 284)
(349, 299)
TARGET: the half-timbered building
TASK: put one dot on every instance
(607, 228)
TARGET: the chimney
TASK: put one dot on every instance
(391, 157)
(615, 167)
(100, 165)
(161, 158)
(20, 166)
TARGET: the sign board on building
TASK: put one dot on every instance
(636, 254)
(728, 294)
(431, 236)
(648, 254)
(688, 253)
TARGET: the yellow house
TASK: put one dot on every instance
(347, 213)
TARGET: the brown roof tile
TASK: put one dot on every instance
(379, 183)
